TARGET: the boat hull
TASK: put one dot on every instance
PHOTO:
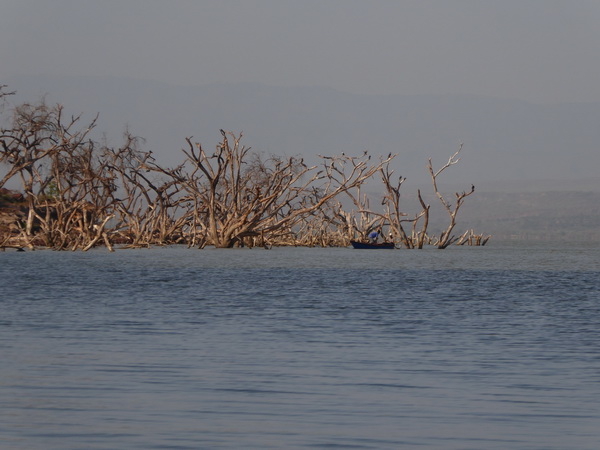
(370, 246)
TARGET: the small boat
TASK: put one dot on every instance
(371, 245)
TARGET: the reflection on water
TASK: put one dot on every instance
(470, 348)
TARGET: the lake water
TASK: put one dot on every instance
(495, 347)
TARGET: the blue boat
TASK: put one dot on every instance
(372, 245)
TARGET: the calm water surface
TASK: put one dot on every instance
(467, 348)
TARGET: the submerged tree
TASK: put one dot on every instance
(67, 188)
(244, 194)
(150, 208)
(396, 219)
(446, 237)
(4, 93)
(80, 193)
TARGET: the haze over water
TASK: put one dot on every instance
(470, 348)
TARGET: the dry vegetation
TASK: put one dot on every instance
(76, 193)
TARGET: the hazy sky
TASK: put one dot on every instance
(536, 50)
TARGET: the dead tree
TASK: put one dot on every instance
(361, 219)
(80, 203)
(391, 202)
(418, 237)
(396, 218)
(26, 149)
(471, 238)
(327, 226)
(80, 194)
(67, 188)
(3, 94)
(446, 237)
(245, 195)
(76, 200)
(150, 208)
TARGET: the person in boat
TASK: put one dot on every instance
(373, 236)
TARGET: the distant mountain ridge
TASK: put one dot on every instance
(503, 139)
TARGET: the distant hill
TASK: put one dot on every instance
(552, 215)
(549, 215)
(535, 166)
(504, 139)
